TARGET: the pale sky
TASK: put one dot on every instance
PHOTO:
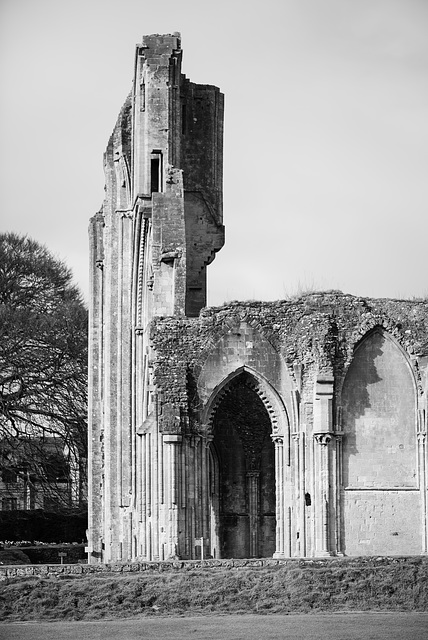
(326, 133)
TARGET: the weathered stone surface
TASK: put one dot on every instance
(44, 571)
(293, 428)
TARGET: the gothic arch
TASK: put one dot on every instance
(358, 339)
(241, 429)
(380, 475)
(242, 368)
(267, 394)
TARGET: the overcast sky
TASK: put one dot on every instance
(326, 132)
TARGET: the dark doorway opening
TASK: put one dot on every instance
(246, 472)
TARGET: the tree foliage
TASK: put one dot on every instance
(43, 360)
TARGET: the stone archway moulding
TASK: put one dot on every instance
(268, 395)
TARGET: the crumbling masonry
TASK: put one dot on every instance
(286, 429)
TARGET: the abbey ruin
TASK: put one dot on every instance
(287, 429)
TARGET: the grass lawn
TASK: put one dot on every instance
(348, 626)
(383, 584)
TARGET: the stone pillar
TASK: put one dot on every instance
(422, 459)
(148, 492)
(323, 433)
(279, 495)
(299, 493)
(95, 396)
(172, 444)
(253, 488)
(196, 532)
(143, 497)
(337, 489)
(206, 533)
(322, 503)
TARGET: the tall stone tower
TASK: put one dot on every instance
(159, 227)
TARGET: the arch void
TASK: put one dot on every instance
(267, 394)
(380, 496)
(242, 440)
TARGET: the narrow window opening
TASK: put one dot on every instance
(156, 172)
(154, 187)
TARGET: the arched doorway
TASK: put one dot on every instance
(243, 460)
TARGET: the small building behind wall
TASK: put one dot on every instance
(287, 429)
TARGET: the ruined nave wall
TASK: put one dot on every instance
(351, 377)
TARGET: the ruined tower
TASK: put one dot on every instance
(287, 429)
(159, 227)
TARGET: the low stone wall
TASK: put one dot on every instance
(52, 570)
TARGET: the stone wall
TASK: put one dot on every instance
(347, 377)
(44, 571)
(290, 338)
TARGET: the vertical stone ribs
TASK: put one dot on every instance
(159, 226)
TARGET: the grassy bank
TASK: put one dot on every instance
(382, 585)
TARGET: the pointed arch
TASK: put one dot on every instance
(267, 394)
(376, 325)
(378, 401)
(380, 473)
(242, 437)
(359, 341)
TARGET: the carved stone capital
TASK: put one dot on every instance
(422, 437)
(277, 440)
(323, 438)
(254, 473)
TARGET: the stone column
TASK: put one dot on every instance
(197, 527)
(299, 492)
(279, 495)
(206, 533)
(337, 489)
(253, 488)
(323, 434)
(422, 458)
(95, 396)
(148, 494)
(172, 445)
(322, 503)
(143, 497)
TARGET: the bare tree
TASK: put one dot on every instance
(43, 373)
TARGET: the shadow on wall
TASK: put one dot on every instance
(379, 416)
(362, 372)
